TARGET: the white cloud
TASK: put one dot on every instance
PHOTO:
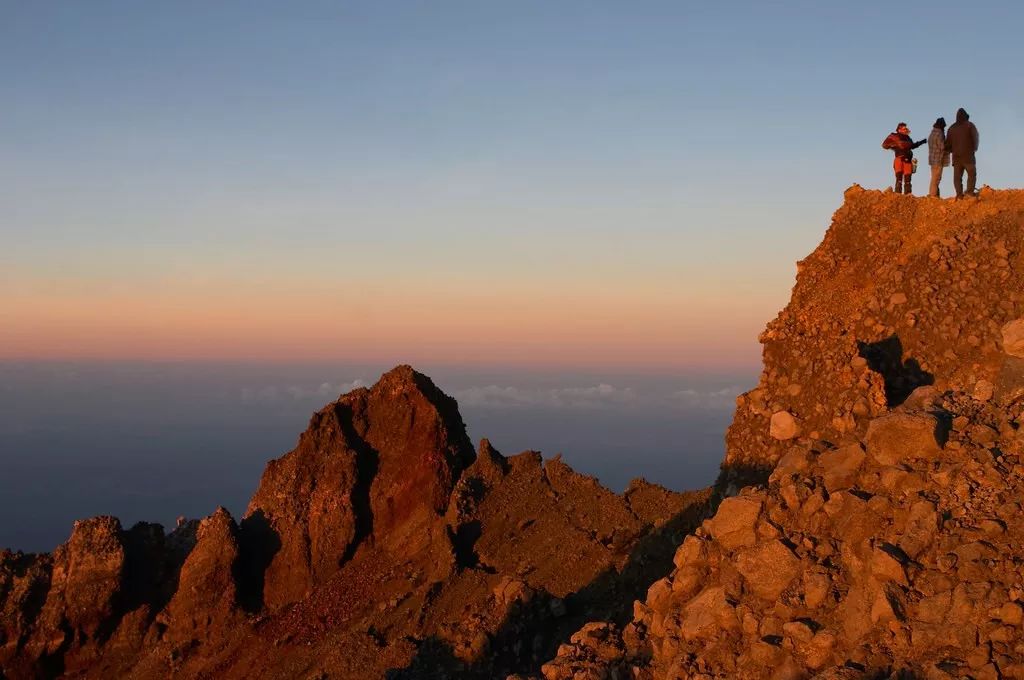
(299, 393)
(724, 398)
(602, 396)
(498, 397)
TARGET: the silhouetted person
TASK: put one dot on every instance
(962, 142)
(903, 146)
(938, 157)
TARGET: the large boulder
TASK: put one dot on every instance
(841, 466)
(784, 426)
(768, 569)
(902, 436)
(1013, 338)
(733, 524)
(707, 615)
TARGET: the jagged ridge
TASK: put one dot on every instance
(382, 541)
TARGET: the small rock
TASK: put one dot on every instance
(1013, 338)
(983, 390)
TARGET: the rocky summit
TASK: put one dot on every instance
(871, 522)
(867, 522)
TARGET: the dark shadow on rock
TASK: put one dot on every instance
(732, 478)
(152, 568)
(464, 540)
(943, 426)
(35, 599)
(51, 664)
(901, 377)
(258, 543)
(367, 464)
(532, 632)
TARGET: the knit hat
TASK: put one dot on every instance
(901, 125)
(940, 123)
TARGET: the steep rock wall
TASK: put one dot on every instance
(902, 292)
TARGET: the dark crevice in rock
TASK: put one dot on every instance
(464, 540)
(367, 464)
(901, 377)
(258, 543)
(51, 664)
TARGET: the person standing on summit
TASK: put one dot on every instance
(903, 146)
(938, 157)
(962, 142)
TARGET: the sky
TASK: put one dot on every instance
(465, 183)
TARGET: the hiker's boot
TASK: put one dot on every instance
(899, 184)
(906, 185)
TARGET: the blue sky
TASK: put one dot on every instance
(687, 150)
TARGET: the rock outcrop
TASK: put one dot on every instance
(881, 538)
(375, 467)
(906, 562)
(901, 293)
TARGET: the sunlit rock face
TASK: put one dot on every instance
(878, 469)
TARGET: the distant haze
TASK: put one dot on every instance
(147, 441)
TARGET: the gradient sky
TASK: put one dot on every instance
(554, 183)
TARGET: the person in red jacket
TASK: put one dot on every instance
(903, 146)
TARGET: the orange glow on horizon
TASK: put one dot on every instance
(515, 324)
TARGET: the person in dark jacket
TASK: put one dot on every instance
(938, 157)
(903, 147)
(962, 142)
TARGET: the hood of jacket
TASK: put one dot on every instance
(961, 116)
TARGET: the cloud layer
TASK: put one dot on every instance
(601, 396)
(323, 391)
(502, 397)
